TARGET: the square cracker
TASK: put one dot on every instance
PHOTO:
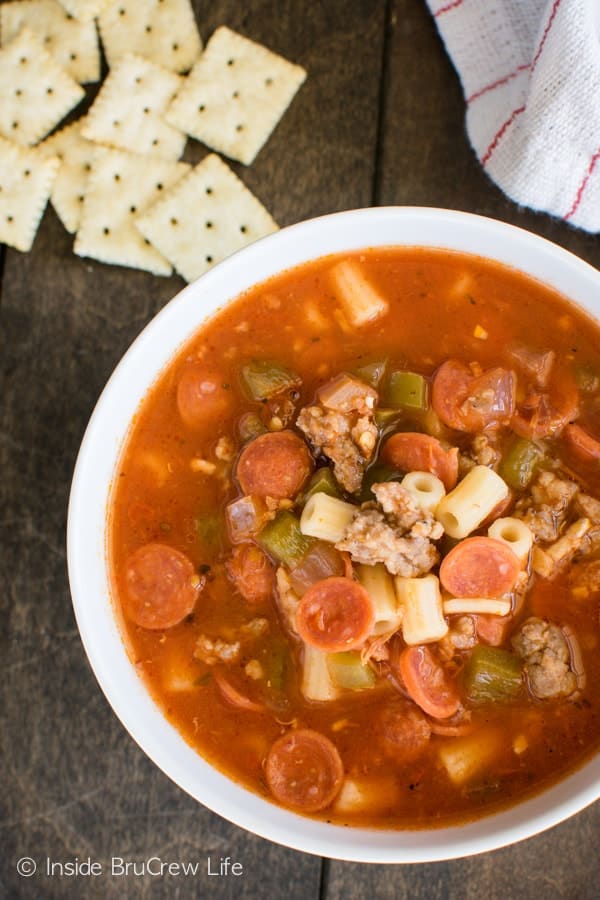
(25, 183)
(76, 156)
(85, 10)
(206, 217)
(73, 44)
(163, 31)
(128, 111)
(36, 93)
(120, 186)
(235, 95)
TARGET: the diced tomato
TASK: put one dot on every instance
(493, 630)
(581, 444)
(335, 614)
(544, 415)
(403, 730)
(427, 682)
(202, 396)
(414, 452)
(479, 567)
(304, 770)
(467, 402)
(161, 587)
(276, 465)
(252, 573)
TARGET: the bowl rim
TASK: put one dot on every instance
(98, 456)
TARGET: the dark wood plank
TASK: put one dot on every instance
(426, 160)
(74, 783)
(557, 865)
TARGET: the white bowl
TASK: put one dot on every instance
(87, 537)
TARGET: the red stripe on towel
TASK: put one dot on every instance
(583, 185)
(447, 8)
(499, 83)
(500, 133)
(555, 6)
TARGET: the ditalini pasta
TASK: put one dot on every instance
(360, 301)
(422, 615)
(326, 517)
(379, 584)
(515, 533)
(472, 500)
(426, 488)
(316, 683)
(476, 605)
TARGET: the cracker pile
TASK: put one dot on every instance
(114, 176)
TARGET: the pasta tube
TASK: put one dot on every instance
(426, 489)
(516, 534)
(317, 683)
(360, 301)
(326, 517)
(379, 585)
(421, 604)
(470, 605)
(472, 500)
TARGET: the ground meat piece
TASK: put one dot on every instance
(347, 442)
(549, 562)
(461, 635)
(545, 652)
(403, 730)
(481, 453)
(545, 509)
(214, 651)
(341, 427)
(394, 532)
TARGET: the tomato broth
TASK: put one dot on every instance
(318, 622)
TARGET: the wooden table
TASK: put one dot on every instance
(379, 121)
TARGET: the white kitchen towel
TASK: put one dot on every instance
(530, 71)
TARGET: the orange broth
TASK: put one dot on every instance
(438, 301)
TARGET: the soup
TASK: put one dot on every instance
(355, 538)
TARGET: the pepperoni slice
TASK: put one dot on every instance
(276, 464)
(335, 614)
(413, 452)
(469, 403)
(427, 683)
(304, 770)
(161, 587)
(479, 567)
(581, 444)
(202, 394)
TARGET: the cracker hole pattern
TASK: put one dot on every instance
(106, 230)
